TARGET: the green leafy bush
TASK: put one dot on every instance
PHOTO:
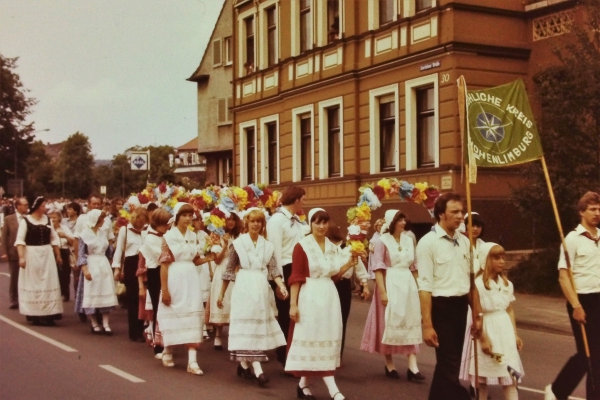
(538, 274)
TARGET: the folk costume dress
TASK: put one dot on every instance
(181, 321)
(395, 329)
(220, 316)
(202, 238)
(39, 286)
(499, 329)
(253, 328)
(98, 294)
(314, 343)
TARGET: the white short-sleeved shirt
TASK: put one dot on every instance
(443, 263)
(584, 255)
(284, 232)
(22, 231)
(132, 247)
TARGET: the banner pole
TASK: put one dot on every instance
(472, 273)
(568, 260)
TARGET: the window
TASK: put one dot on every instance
(387, 136)
(217, 53)
(333, 141)
(228, 50)
(424, 4)
(333, 20)
(273, 152)
(386, 11)
(250, 156)
(249, 61)
(224, 113)
(305, 26)
(306, 147)
(271, 36)
(223, 168)
(425, 127)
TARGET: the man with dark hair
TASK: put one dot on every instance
(9, 251)
(583, 300)
(444, 287)
(284, 231)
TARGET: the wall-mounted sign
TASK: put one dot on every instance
(431, 65)
(446, 182)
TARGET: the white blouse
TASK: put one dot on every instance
(22, 231)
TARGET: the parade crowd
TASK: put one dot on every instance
(274, 282)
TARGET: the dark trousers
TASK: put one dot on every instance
(13, 288)
(132, 291)
(449, 317)
(154, 291)
(344, 288)
(283, 311)
(64, 273)
(577, 366)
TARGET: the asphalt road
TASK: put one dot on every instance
(68, 362)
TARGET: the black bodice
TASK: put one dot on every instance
(37, 235)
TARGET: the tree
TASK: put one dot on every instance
(40, 170)
(569, 95)
(74, 173)
(15, 134)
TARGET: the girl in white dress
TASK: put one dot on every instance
(315, 337)
(181, 313)
(253, 328)
(499, 345)
(206, 268)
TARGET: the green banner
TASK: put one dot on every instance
(500, 126)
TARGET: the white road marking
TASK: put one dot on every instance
(542, 392)
(122, 374)
(38, 335)
(5, 274)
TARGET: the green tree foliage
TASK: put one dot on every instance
(569, 95)
(40, 170)
(15, 134)
(74, 172)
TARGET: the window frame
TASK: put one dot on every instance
(228, 50)
(271, 46)
(241, 41)
(382, 166)
(296, 141)
(228, 115)
(324, 106)
(375, 96)
(243, 127)
(373, 13)
(265, 148)
(410, 98)
(419, 9)
(217, 44)
(421, 115)
(251, 153)
(309, 29)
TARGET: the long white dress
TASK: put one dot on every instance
(317, 337)
(403, 312)
(220, 315)
(202, 237)
(253, 328)
(39, 287)
(181, 321)
(99, 293)
(498, 327)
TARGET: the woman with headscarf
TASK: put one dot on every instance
(66, 240)
(394, 321)
(98, 286)
(180, 312)
(315, 308)
(39, 287)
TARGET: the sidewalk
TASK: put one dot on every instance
(543, 313)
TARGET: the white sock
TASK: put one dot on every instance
(218, 341)
(332, 387)
(303, 384)
(192, 356)
(510, 392)
(94, 320)
(412, 363)
(257, 368)
(105, 319)
(483, 391)
(167, 353)
(244, 364)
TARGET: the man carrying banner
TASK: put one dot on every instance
(583, 301)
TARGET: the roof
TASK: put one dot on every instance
(53, 150)
(191, 145)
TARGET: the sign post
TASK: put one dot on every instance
(140, 161)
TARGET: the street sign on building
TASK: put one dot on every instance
(140, 160)
(15, 187)
(103, 190)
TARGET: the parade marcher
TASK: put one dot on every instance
(148, 261)
(394, 322)
(39, 288)
(315, 308)
(583, 301)
(377, 226)
(219, 316)
(66, 240)
(445, 293)
(206, 272)
(73, 210)
(253, 328)
(8, 251)
(180, 312)
(125, 262)
(98, 294)
(498, 346)
(284, 231)
(116, 205)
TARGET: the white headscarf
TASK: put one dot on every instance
(389, 217)
(463, 226)
(93, 216)
(312, 212)
(484, 252)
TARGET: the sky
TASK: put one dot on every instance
(114, 70)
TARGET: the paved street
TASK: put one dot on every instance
(68, 362)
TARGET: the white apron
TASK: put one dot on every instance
(220, 315)
(100, 291)
(403, 311)
(252, 322)
(317, 338)
(204, 268)
(39, 288)
(181, 322)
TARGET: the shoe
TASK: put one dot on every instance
(244, 372)
(50, 322)
(139, 339)
(167, 361)
(13, 306)
(262, 380)
(108, 331)
(301, 395)
(334, 396)
(194, 368)
(158, 356)
(548, 394)
(96, 330)
(411, 376)
(471, 390)
(82, 317)
(393, 374)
